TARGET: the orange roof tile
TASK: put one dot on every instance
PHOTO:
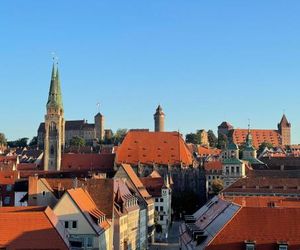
(137, 183)
(259, 136)
(264, 201)
(86, 204)
(213, 165)
(154, 147)
(30, 228)
(202, 150)
(265, 226)
(8, 177)
(87, 162)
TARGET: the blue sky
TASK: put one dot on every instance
(203, 61)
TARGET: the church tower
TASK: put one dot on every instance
(159, 120)
(284, 129)
(249, 151)
(54, 125)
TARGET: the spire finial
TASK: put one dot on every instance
(98, 107)
(248, 125)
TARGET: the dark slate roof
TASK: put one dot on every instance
(70, 125)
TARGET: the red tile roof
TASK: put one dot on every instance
(137, 183)
(213, 165)
(153, 185)
(86, 204)
(103, 162)
(259, 136)
(8, 177)
(264, 185)
(265, 201)
(202, 150)
(265, 226)
(30, 228)
(159, 147)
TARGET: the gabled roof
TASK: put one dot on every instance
(265, 226)
(154, 147)
(137, 183)
(31, 228)
(225, 125)
(88, 207)
(153, 185)
(204, 150)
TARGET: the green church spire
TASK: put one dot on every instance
(55, 96)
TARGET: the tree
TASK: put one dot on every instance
(217, 186)
(119, 136)
(212, 139)
(264, 145)
(222, 141)
(194, 138)
(3, 140)
(77, 141)
(33, 142)
(20, 143)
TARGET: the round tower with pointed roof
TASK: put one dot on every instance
(159, 120)
(54, 124)
(99, 126)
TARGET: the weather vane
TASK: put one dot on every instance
(54, 57)
(248, 124)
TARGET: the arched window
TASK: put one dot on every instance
(52, 150)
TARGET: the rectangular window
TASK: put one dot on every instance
(66, 224)
(156, 208)
(237, 170)
(156, 200)
(6, 200)
(161, 217)
(74, 224)
(89, 242)
(283, 247)
(161, 209)
(161, 199)
(232, 170)
(8, 188)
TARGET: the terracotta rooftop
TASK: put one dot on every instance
(153, 185)
(202, 150)
(264, 226)
(8, 177)
(264, 185)
(154, 147)
(103, 162)
(31, 228)
(265, 201)
(87, 206)
(259, 136)
(213, 165)
(137, 183)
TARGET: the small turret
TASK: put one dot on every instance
(159, 120)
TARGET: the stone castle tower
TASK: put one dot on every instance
(99, 126)
(54, 125)
(159, 120)
(284, 129)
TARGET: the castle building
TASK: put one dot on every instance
(54, 125)
(280, 137)
(159, 120)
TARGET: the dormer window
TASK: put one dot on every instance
(250, 245)
(282, 245)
